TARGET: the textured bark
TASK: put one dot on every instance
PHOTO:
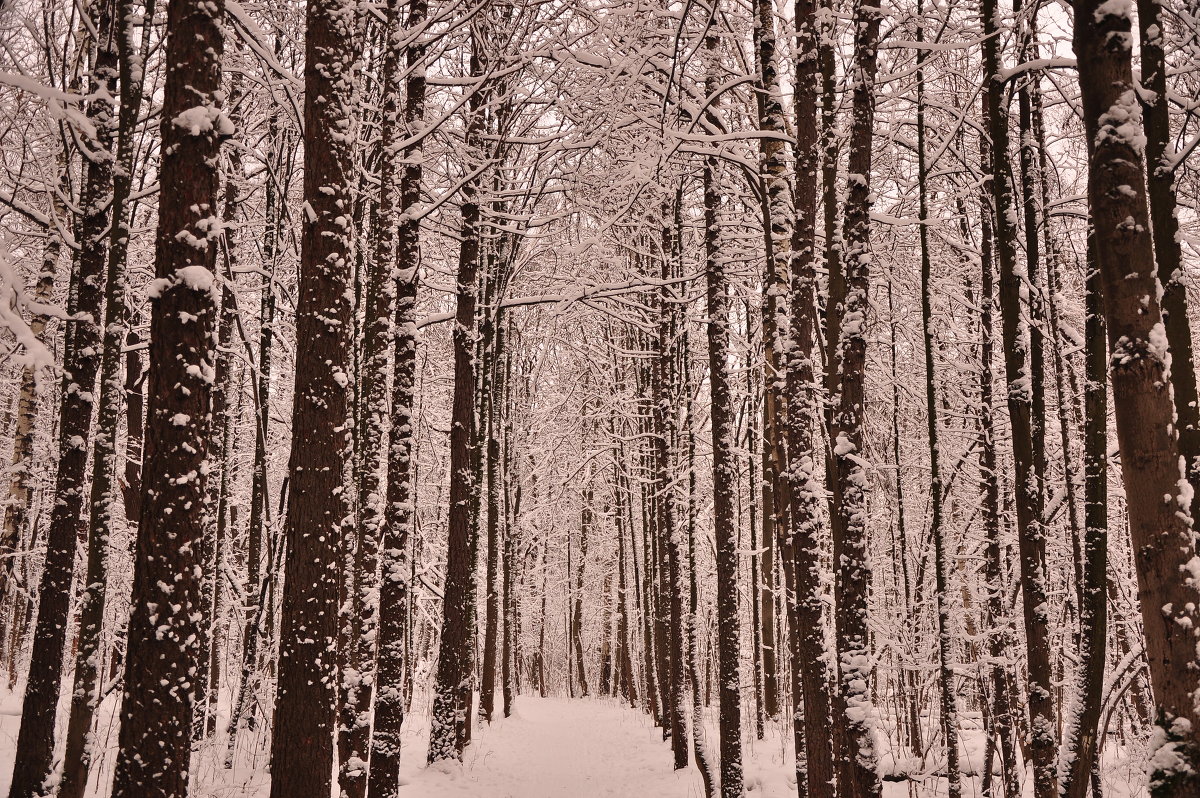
(800, 547)
(1158, 494)
(1020, 354)
(724, 468)
(362, 625)
(699, 743)
(81, 356)
(85, 697)
(163, 648)
(664, 390)
(1000, 640)
(1081, 738)
(317, 506)
(490, 391)
(778, 230)
(856, 771)
(452, 691)
(626, 676)
(579, 676)
(1164, 225)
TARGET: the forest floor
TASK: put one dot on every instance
(549, 748)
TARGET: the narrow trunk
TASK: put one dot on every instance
(81, 358)
(856, 773)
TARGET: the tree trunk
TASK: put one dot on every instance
(1164, 225)
(163, 649)
(1025, 424)
(800, 547)
(724, 466)
(452, 692)
(81, 356)
(856, 774)
(306, 698)
(1158, 494)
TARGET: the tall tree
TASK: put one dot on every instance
(391, 666)
(1158, 494)
(85, 696)
(452, 692)
(724, 458)
(163, 649)
(317, 506)
(1028, 465)
(856, 772)
(81, 359)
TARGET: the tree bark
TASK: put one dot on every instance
(856, 773)
(306, 696)
(452, 692)
(163, 648)
(81, 358)
(1158, 495)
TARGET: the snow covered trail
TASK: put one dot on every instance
(556, 748)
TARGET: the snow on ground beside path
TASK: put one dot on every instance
(550, 748)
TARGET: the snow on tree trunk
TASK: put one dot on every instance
(315, 526)
(1158, 494)
(163, 653)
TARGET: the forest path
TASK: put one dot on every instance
(557, 748)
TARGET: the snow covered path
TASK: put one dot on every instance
(557, 748)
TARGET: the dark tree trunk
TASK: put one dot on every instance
(724, 469)
(81, 358)
(164, 634)
(302, 750)
(800, 544)
(1157, 493)
(856, 772)
(1164, 224)
(452, 692)
(1028, 454)
(85, 696)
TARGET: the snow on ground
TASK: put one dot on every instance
(551, 747)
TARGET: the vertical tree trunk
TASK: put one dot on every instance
(856, 774)
(302, 750)
(1018, 352)
(576, 641)
(1164, 225)
(357, 683)
(85, 697)
(778, 232)
(663, 382)
(1158, 494)
(1081, 737)
(81, 356)
(452, 692)
(949, 708)
(163, 649)
(493, 344)
(699, 738)
(801, 547)
(724, 466)
(1000, 640)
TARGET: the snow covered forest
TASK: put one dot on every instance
(567, 398)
